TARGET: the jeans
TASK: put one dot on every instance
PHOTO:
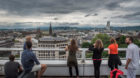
(97, 64)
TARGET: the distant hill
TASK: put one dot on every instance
(67, 28)
(126, 28)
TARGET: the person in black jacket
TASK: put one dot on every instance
(97, 49)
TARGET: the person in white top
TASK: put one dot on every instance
(132, 58)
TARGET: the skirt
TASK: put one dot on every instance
(114, 59)
(72, 61)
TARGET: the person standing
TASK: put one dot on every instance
(72, 60)
(12, 69)
(114, 59)
(132, 58)
(97, 49)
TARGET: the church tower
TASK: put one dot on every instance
(50, 30)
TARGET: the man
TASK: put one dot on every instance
(28, 38)
(28, 59)
(132, 57)
(12, 68)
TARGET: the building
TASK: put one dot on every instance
(50, 30)
(6, 42)
(52, 42)
(108, 25)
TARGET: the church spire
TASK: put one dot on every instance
(50, 30)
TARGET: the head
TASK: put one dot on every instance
(73, 46)
(73, 42)
(28, 38)
(11, 57)
(99, 44)
(113, 41)
(129, 40)
(28, 44)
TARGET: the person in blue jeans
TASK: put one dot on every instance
(30, 62)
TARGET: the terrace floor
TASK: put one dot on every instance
(72, 77)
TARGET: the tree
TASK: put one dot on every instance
(104, 37)
(121, 42)
(85, 44)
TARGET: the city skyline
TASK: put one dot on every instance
(70, 12)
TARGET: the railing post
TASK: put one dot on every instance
(83, 55)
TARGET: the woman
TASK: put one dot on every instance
(114, 59)
(72, 60)
(97, 49)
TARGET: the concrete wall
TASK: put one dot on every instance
(59, 68)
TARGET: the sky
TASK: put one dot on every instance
(70, 12)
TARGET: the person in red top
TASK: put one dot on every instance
(114, 59)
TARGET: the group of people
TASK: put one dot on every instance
(30, 63)
(132, 56)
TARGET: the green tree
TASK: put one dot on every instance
(121, 42)
(85, 44)
(104, 37)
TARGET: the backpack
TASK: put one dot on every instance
(116, 73)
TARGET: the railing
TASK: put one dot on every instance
(81, 50)
(58, 67)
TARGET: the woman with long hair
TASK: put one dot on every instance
(72, 60)
(97, 49)
(114, 59)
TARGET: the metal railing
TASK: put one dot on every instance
(82, 51)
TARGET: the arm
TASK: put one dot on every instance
(66, 48)
(108, 51)
(20, 68)
(91, 48)
(129, 57)
(24, 47)
(127, 63)
(33, 56)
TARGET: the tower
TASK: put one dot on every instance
(108, 25)
(50, 30)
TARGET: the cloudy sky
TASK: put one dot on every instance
(70, 12)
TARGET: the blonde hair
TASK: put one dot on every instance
(28, 38)
(99, 44)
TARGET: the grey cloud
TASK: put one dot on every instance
(38, 7)
(136, 14)
(91, 15)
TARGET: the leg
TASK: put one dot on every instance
(43, 68)
(112, 67)
(97, 64)
(77, 71)
(131, 73)
(116, 66)
(70, 71)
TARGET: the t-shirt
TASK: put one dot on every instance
(132, 53)
(113, 48)
(11, 69)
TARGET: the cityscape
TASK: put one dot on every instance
(60, 38)
(47, 38)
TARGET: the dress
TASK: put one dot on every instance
(72, 60)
